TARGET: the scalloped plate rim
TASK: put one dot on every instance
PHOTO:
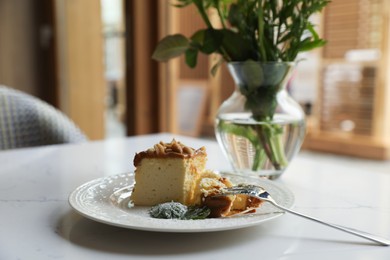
(92, 200)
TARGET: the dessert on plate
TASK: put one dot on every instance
(168, 172)
(176, 172)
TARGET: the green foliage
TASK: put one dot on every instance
(176, 210)
(251, 31)
(170, 47)
(168, 210)
(195, 212)
(258, 30)
(260, 83)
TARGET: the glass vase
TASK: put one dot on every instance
(260, 127)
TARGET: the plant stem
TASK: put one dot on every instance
(259, 159)
(274, 138)
(202, 12)
(260, 39)
(265, 139)
(279, 150)
(221, 16)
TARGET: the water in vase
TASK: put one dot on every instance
(259, 148)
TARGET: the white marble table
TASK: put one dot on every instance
(36, 221)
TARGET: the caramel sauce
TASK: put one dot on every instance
(173, 149)
(219, 206)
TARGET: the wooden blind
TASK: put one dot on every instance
(352, 24)
(348, 86)
(347, 99)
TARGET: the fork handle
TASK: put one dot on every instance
(374, 238)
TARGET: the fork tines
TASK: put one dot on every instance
(248, 189)
(244, 188)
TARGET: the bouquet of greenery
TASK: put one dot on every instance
(250, 31)
(259, 30)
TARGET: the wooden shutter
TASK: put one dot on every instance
(352, 24)
(348, 86)
(352, 110)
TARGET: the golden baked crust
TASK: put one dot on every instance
(169, 150)
(168, 172)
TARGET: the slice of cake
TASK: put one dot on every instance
(168, 172)
(175, 172)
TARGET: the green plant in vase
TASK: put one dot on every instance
(259, 40)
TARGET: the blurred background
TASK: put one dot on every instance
(92, 60)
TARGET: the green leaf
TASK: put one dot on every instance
(236, 46)
(170, 47)
(235, 16)
(212, 41)
(310, 27)
(191, 56)
(168, 210)
(307, 46)
(195, 212)
(197, 38)
(286, 37)
(207, 41)
(182, 3)
(252, 75)
(176, 210)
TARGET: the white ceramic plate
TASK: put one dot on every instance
(100, 200)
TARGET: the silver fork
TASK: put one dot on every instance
(261, 193)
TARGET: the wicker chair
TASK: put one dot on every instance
(27, 121)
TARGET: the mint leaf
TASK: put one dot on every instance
(196, 212)
(168, 210)
(176, 210)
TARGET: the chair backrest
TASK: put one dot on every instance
(27, 121)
